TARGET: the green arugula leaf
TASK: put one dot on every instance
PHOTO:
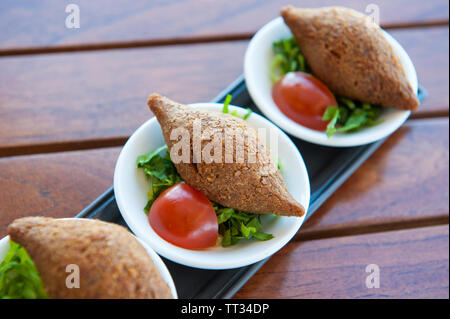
(287, 58)
(161, 172)
(247, 231)
(301, 62)
(276, 67)
(226, 239)
(19, 277)
(226, 103)
(262, 236)
(226, 110)
(224, 214)
(255, 223)
(147, 157)
(344, 113)
(280, 168)
(247, 115)
(355, 121)
(235, 225)
(331, 114)
(347, 102)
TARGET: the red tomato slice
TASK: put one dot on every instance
(184, 217)
(303, 98)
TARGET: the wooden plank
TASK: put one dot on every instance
(387, 189)
(42, 22)
(57, 185)
(405, 180)
(86, 98)
(412, 264)
(432, 67)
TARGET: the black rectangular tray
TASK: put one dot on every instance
(327, 167)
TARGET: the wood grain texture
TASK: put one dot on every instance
(387, 188)
(60, 98)
(76, 97)
(407, 178)
(42, 22)
(58, 185)
(432, 67)
(412, 263)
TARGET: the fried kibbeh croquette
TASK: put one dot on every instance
(254, 186)
(351, 55)
(112, 263)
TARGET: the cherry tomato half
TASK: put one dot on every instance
(303, 98)
(184, 217)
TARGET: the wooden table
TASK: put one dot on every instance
(69, 99)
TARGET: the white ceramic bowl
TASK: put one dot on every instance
(131, 186)
(159, 264)
(257, 77)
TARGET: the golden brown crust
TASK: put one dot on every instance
(350, 54)
(112, 263)
(255, 187)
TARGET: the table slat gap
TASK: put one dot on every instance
(197, 39)
(371, 227)
(429, 114)
(64, 146)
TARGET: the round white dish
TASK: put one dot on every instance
(257, 77)
(159, 264)
(131, 186)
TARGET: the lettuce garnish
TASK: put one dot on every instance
(225, 109)
(235, 225)
(19, 278)
(161, 172)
